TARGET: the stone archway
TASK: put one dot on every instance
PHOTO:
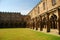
(53, 21)
(44, 22)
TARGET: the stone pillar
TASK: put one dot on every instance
(29, 24)
(48, 23)
(36, 24)
(59, 20)
(41, 26)
(33, 24)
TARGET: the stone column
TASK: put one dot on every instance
(29, 24)
(33, 24)
(41, 26)
(48, 23)
(59, 20)
(36, 24)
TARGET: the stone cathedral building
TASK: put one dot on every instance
(46, 14)
(13, 20)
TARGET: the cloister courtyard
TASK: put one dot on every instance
(24, 21)
(25, 34)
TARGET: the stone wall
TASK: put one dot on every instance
(12, 19)
(46, 15)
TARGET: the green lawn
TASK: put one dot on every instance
(24, 34)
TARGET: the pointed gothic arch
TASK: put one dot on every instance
(53, 21)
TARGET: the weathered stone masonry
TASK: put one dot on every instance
(46, 14)
(13, 20)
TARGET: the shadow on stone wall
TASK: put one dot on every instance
(13, 25)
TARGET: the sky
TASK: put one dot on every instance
(23, 6)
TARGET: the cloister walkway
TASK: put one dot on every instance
(53, 31)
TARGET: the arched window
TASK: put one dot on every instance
(38, 9)
(44, 5)
(53, 2)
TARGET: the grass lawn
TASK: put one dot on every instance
(24, 34)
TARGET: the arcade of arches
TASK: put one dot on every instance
(47, 20)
